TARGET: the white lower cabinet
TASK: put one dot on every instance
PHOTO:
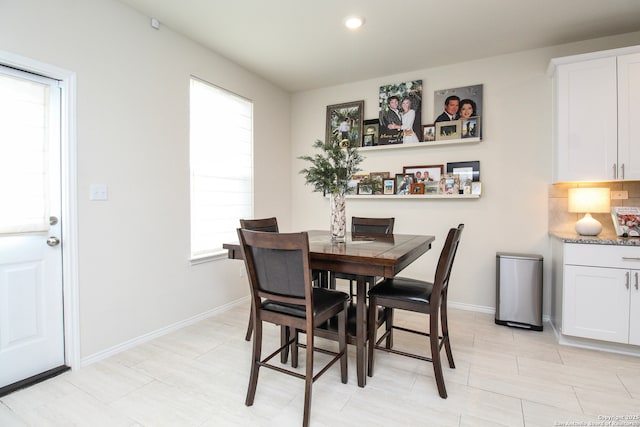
(601, 295)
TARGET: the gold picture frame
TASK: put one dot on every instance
(448, 130)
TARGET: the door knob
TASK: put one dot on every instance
(53, 241)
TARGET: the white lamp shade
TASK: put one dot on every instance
(589, 200)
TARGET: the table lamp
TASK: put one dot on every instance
(588, 201)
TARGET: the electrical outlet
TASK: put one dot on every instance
(619, 195)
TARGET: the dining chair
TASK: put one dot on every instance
(269, 225)
(421, 297)
(360, 225)
(282, 293)
(266, 225)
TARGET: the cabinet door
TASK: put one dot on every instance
(628, 113)
(634, 310)
(596, 303)
(586, 121)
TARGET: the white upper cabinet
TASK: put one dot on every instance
(596, 97)
(628, 115)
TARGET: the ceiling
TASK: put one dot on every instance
(303, 44)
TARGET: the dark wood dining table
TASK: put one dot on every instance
(365, 256)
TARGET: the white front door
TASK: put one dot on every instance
(31, 298)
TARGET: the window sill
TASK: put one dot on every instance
(204, 258)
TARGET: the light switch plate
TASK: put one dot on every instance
(98, 192)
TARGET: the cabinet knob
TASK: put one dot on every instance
(615, 171)
(636, 280)
(622, 167)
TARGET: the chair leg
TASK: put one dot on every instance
(373, 327)
(388, 315)
(308, 381)
(284, 338)
(342, 343)
(294, 349)
(255, 367)
(445, 331)
(332, 280)
(247, 336)
(435, 354)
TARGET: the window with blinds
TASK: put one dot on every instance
(221, 160)
(29, 141)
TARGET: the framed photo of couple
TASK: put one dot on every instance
(426, 174)
(400, 113)
(458, 112)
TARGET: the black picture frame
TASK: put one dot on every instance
(370, 132)
(349, 115)
(467, 172)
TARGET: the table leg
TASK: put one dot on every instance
(361, 329)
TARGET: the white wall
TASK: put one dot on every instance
(515, 165)
(132, 134)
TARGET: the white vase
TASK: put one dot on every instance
(338, 219)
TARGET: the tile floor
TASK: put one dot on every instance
(198, 377)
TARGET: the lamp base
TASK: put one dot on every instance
(588, 226)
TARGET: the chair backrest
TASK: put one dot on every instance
(277, 266)
(445, 262)
(372, 225)
(264, 224)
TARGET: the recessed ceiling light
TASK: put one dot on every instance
(354, 22)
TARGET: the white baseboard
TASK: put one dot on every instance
(96, 357)
(471, 307)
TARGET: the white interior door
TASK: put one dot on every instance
(31, 298)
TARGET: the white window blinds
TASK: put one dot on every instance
(29, 130)
(221, 158)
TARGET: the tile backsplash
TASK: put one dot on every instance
(563, 221)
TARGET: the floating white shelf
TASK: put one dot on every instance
(421, 144)
(414, 196)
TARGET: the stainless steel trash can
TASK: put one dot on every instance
(519, 290)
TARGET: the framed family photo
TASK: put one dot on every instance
(460, 103)
(344, 123)
(426, 174)
(400, 111)
(449, 184)
(403, 183)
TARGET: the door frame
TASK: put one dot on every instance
(69, 196)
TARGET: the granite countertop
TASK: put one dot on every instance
(601, 239)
